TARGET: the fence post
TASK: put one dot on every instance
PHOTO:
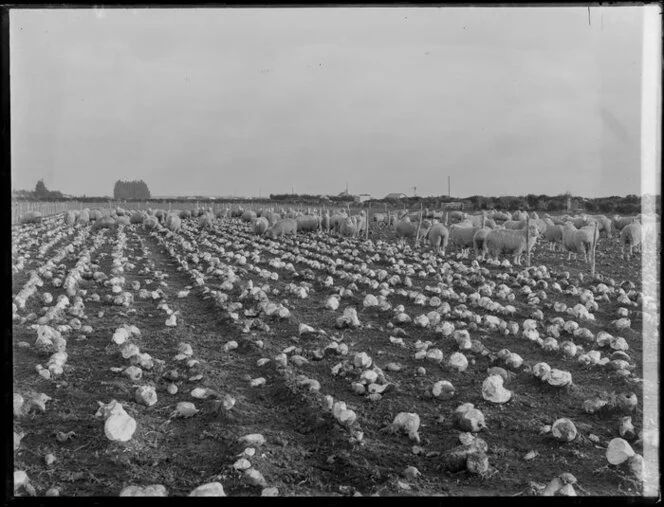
(592, 259)
(419, 224)
(527, 241)
(366, 225)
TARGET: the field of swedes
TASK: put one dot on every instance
(319, 366)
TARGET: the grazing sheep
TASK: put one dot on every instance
(579, 241)
(360, 222)
(236, 212)
(479, 221)
(308, 223)
(95, 215)
(348, 228)
(515, 225)
(31, 217)
(456, 216)
(150, 222)
(104, 223)
(500, 217)
(336, 221)
(160, 215)
(137, 217)
(534, 215)
(478, 241)
(325, 221)
(553, 234)
(380, 218)
(123, 219)
(630, 238)
(283, 227)
(173, 222)
(407, 229)
(272, 218)
(223, 213)
(582, 221)
(462, 237)
(519, 215)
(206, 221)
(604, 224)
(248, 216)
(70, 218)
(438, 237)
(261, 225)
(504, 241)
(619, 223)
(83, 217)
(184, 214)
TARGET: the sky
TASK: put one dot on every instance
(248, 102)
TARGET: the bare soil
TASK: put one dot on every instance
(307, 453)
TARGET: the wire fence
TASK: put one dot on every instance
(20, 208)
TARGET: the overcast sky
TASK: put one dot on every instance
(506, 101)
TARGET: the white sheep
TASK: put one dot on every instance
(150, 222)
(105, 223)
(462, 237)
(31, 217)
(272, 218)
(515, 225)
(83, 217)
(619, 223)
(70, 218)
(604, 224)
(173, 222)
(630, 238)
(480, 221)
(137, 217)
(336, 221)
(261, 225)
(438, 237)
(206, 221)
(248, 216)
(519, 215)
(283, 227)
(456, 216)
(579, 241)
(325, 221)
(553, 234)
(504, 241)
(500, 217)
(308, 223)
(406, 229)
(478, 241)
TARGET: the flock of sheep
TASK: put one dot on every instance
(492, 233)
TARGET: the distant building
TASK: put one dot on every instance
(362, 197)
(396, 195)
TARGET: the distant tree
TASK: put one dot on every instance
(131, 190)
(41, 192)
(531, 201)
(555, 205)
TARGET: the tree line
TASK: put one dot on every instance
(138, 190)
(131, 190)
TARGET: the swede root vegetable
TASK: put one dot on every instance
(618, 451)
(209, 489)
(407, 422)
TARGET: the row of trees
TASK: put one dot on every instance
(131, 190)
(138, 190)
(531, 202)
